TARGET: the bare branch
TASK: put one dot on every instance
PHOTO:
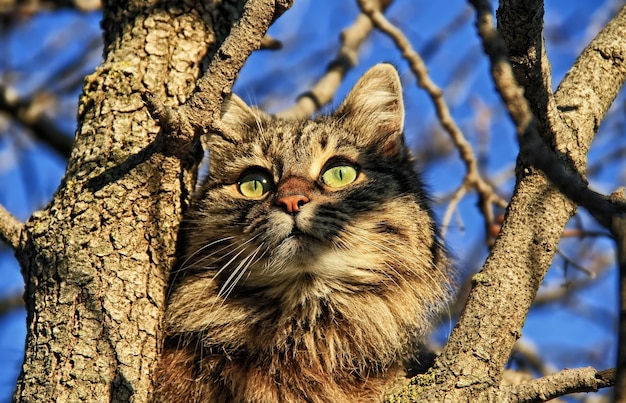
(608, 46)
(10, 228)
(11, 302)
(532, 148)
(561, 383)
(30, 114)
(502, 293)
(326, 87)
(529, 60)
(203, 108)
(472, 178)
(590, 86)
(619, 230)
(159, 188)
(605, 52)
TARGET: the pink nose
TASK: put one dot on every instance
(292, 203)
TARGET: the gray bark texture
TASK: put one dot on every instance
(471, 366)
(96, 259)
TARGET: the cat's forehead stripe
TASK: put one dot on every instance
(298, 148)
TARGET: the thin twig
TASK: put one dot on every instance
(11, 302)
(10, 228)
(531, 359)
(571, 262)
(456, 198)
(203, 107)
(558, 384)
(326, 87)
(472, 178)
(270, 43)
(30, 114)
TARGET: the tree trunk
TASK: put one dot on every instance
(96, 259)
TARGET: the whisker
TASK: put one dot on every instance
(204, 247)
(237, 274)
(232, 281)
(388, 265)
(241, 247)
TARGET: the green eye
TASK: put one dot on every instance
(255, 184)
(339, 176)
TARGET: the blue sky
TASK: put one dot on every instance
(40, 52)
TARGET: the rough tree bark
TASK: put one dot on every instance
(95, 260)
(471, 365)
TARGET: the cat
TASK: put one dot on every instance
(312, 267)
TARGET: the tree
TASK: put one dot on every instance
(95, 260)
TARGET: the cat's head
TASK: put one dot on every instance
(333, 201)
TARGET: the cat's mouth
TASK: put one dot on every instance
(303, 239)
(300, 235)
(296, 233)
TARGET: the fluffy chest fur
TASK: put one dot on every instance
(312, 266)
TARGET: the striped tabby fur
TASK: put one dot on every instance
(321, 300)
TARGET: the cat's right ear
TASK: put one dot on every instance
(236, 114)
(236, 122)
(238, 119)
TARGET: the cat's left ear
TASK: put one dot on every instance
(374, 109)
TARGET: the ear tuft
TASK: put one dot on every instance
(374, 108)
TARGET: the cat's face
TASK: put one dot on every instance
(336, 200)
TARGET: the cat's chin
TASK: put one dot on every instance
(296, 248)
